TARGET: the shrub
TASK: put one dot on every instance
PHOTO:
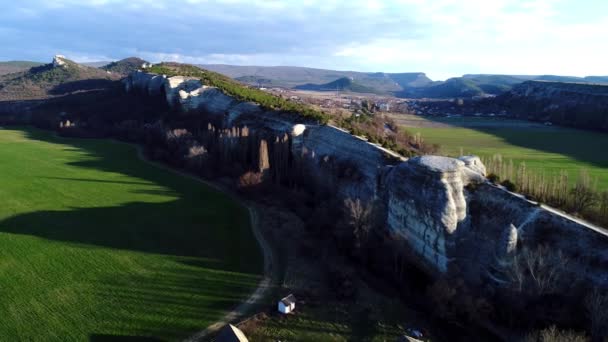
(552, 334)
(250, 180)
(596, 304)
(509, 185)
(494, 178)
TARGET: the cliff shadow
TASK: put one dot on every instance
(204, 258)
(81, 86)
(581, 145)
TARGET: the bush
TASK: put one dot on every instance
(250, 181)
(494, 178)
(509, 185)
(552, 334)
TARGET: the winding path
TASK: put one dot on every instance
(270, 271)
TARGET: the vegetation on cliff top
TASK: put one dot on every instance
(125, 66)
(376, 128)
(240, 91)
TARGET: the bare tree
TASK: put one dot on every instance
(596, 304)
(541, 270)
(552, 334)
(359, 217)
(583, 194)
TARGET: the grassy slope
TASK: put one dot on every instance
(544, 150)
(334, 322)
(95, 242)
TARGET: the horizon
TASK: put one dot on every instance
(442, 39)
(309, 67)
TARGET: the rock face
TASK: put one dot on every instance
(59, 60)
(318, 147)
(442, 208)
(427, 204)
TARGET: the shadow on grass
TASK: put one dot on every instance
(581, 145)
(116, 338)
(210, 258)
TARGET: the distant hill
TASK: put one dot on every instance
(291, 77)
(597, 79)
(16, 66)
(570, 104)
(415, 84)
(125, 66)
(488, 84)
(60, 77)
(453, 87)
(341, 84)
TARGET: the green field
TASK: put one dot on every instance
(95, 244)
(544, 149)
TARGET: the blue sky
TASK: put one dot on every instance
(443, 38)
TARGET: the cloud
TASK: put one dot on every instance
(442, 37)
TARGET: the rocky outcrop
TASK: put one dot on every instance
(59, 60)
(355, 170)
(442, 208)
(426, 205)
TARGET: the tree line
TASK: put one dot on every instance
(583, 198)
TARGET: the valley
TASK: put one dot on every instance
(544, 149)
(95, 242)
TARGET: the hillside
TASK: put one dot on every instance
(470, 85)
(16, 66)
(125, 66)
(453, 87)
(60, 77)
(290, 77)
(342, 84)
(569, 104)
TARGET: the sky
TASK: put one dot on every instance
(444, 38)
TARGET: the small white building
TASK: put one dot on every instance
(287, 304)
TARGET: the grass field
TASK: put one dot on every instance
(95, 244)
(544, 149)
(380, 319)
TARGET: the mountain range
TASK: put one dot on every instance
(291, 77)
(15, 74)
(10, 67)
(416, 85)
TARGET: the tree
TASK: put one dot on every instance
(596, 304)
(583, 195)
(540, 270)
(359, 217)
(263, 162)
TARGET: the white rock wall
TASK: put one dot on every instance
(318, 142)
(427, 204)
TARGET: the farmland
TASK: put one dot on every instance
(97, 244)
(544, 149)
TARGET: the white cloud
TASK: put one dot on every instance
(441, 37)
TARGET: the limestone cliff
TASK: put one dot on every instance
(442, 208)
